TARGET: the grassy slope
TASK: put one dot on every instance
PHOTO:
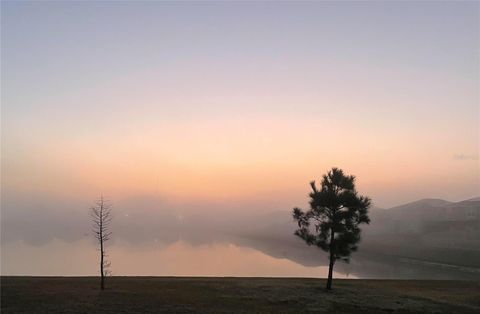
(250, 295)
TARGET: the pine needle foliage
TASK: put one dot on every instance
(333, 220)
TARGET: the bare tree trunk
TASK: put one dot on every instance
(101, 216)
(332, 260)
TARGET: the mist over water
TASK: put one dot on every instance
(177, 259)
(152, 237)
(204, 122)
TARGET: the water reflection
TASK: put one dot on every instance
(177, 259)
(238, 257)
(183, 259)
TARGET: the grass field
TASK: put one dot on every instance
(248, 295)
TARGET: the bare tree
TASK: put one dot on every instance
(101, 218)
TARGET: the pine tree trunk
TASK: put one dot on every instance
(332, 261)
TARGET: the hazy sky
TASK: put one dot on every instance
(236, 102)
(240, 100)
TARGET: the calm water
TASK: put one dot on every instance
(177, 259)
(227, 258)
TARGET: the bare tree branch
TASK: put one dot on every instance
(101, 217)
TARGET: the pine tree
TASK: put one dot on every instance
(332, 222)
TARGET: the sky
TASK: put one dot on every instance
(201, 105)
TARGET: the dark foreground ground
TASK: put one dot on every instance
(248, 295)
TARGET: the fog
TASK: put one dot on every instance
(203, 123)
(430, 239)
